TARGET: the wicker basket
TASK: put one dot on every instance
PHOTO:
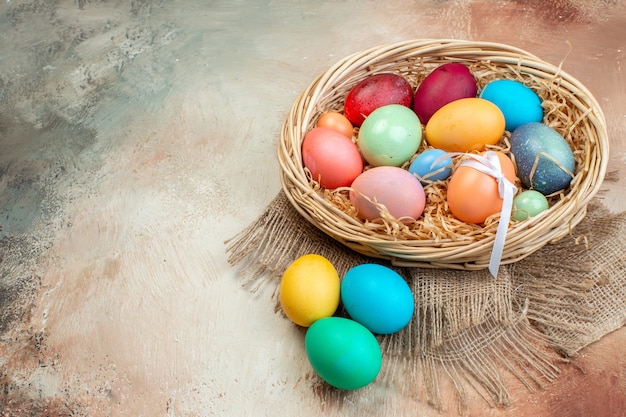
(568, 106)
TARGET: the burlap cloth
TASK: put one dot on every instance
(469, 329)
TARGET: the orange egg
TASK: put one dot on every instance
(336, 121)
(473, 195)
(465, 125)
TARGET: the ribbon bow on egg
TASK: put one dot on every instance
(489, 164)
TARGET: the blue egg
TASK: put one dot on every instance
(377, 297)
(422, 166)
(518, 103)
(543, 158)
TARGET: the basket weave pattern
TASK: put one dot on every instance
(568, 107)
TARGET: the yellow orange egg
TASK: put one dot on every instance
(309, 289)
(473, 195)
(465, 125)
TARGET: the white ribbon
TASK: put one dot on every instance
(489, 164)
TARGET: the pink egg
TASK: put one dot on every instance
(395, 188)
(331, 157)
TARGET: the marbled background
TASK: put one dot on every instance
(136, 136)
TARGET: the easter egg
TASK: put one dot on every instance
(331, 157)
(376, 91)
(527, 204)
(473, 196)
(519, 104)
(343, 352)
(465, 125)
(336, 121)
(395, 188)
(309, 289)
(446, 83)
(390, 135)
(424, 167)
(377, 297)
(545, 162)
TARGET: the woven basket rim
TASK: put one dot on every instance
(523, 238)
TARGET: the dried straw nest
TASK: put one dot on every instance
(437, 239)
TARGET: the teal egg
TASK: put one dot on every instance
(390, 135)
(343, 352)
(538, 147)
(377, 297)
(519, 104)
(527, 204)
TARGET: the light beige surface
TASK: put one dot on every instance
(135, 137)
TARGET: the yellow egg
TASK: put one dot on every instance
(309, 289)
(465, 125)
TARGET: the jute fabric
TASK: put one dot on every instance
(469, 329)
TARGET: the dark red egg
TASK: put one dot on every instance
(376, 91)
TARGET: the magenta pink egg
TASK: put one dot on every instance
(448, 82)
(395, 188)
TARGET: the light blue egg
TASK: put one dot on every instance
(519, 104)
(377, 297)
(423, 167)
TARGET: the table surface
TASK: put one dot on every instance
(136, 137)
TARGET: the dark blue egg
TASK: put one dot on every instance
(543, 158)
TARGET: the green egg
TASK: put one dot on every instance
(527, 204)
(343, 352)
(390, 135)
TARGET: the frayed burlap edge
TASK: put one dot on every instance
(468, 328)
(477, 359)
(590, 265)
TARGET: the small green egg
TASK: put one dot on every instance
(343, 352)
(527, 204)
